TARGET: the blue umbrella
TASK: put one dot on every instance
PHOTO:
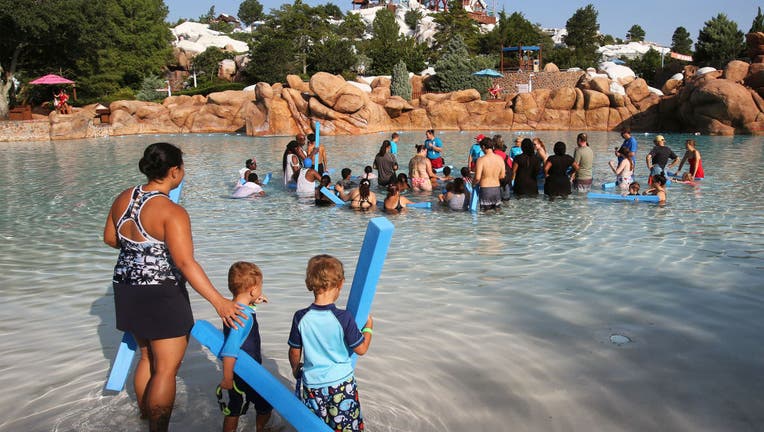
(489, 73)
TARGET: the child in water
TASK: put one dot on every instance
(326, 336)
(245, 281)
(634, 188)
(658, 188)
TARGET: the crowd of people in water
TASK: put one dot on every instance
(495, 171)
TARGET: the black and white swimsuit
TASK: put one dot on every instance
(150, 295)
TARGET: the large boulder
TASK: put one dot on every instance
(637, 90)
(327, 87)
(594, 100)
(725, 101)
(736, 71)
(350, 99)
(562, 99)
(396, 105)
(295, 82)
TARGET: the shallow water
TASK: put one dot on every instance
(498, 321)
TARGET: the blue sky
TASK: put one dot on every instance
(659, 18)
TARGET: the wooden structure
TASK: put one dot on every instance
(22, 112)
(526, 58)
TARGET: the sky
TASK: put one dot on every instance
(659, 18)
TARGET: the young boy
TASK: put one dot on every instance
(634, 188)
(245, 281)
(326, 337)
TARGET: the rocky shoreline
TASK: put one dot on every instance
(716, 102)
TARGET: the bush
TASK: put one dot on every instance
(412, 18)
(214, 88)
(148, 91)
(400, 84)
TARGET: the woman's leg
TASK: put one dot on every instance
(167, 355)
(142, 375)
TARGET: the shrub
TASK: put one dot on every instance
(400, 84)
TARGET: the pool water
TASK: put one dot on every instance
(485, 322)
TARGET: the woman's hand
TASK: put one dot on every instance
(228, 311)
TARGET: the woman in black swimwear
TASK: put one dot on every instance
(362, 198)
(156, 259)
(395, 202)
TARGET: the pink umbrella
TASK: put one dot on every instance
(51, 79)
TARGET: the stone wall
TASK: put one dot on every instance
(25, 130)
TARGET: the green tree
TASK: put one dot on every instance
(681, 42)
(207, 64)
(758, 23)
(352, 27)
(513, 30)
(412, 18)
(399, 82)
(455, 21)
(329, 10)
(606, 39)
(273, 58)
(35, 40)
(149, 86)
(647, 66)
(250, 11)
(454, 69)
(719, 41)
(635, 34)
(582, 36)
(333, 55)
(383, 47)
(208, 17)
(137, 46)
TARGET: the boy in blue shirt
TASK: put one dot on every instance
(326, 337)
(394, 143)
(245, 281)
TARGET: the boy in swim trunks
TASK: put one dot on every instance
(326, 337)
(245, 281)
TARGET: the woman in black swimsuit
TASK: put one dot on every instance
(394, 202)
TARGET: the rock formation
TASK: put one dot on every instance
(699, 100)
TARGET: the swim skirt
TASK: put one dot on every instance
(157, 311)
(490, 197)
(338, 406)
(239, 398)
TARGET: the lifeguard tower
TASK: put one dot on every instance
(526, 58)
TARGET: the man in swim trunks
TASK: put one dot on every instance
(489, 170)
(434, 147)
(420, 170)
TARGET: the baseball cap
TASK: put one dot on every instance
(480, 137)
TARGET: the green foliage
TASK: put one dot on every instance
(560, 56)
(149, 86)
(212, 88)
(329, 10)
(454, 69)
(124, 93)
(636, 33)
(272, 59)
(758, 23)
(647, 66)
(353, 27)
(222, 27)
(207, 64)
(719, 41)
(387, 47)
(332, 54)
(455, 21)
(250, 11)
(681, 42)
(582, 36)
(513, 30)
(412, 18)
(208, 17)
(399, 83)
(606, 39)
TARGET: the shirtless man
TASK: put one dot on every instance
(420, 170)
(311, 153)
(489, 170)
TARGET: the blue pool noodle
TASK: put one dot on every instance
(126, 351)
(419, 205)
(376, 242)
(639, 198)
(335, 199)
(282, 399)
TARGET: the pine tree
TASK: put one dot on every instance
(635, 34)
(719, 42)
(400, 84)
(454, 69)
(681, 42)
(582, 36)
(758, 23)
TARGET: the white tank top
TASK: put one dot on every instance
(304, 186)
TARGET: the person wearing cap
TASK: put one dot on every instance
(659, 156)
(476, 152)
(434, 147)
(249, 167)
(306, 179)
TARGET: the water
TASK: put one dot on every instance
(482, 323)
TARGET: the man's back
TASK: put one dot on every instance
(489, 169)
(584, 157)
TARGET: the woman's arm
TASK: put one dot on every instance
(547, 166)
(684, 159)
(177, 236)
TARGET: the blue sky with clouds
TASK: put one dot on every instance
(659, 18)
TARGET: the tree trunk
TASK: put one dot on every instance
(6, 81)
(4, 91)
